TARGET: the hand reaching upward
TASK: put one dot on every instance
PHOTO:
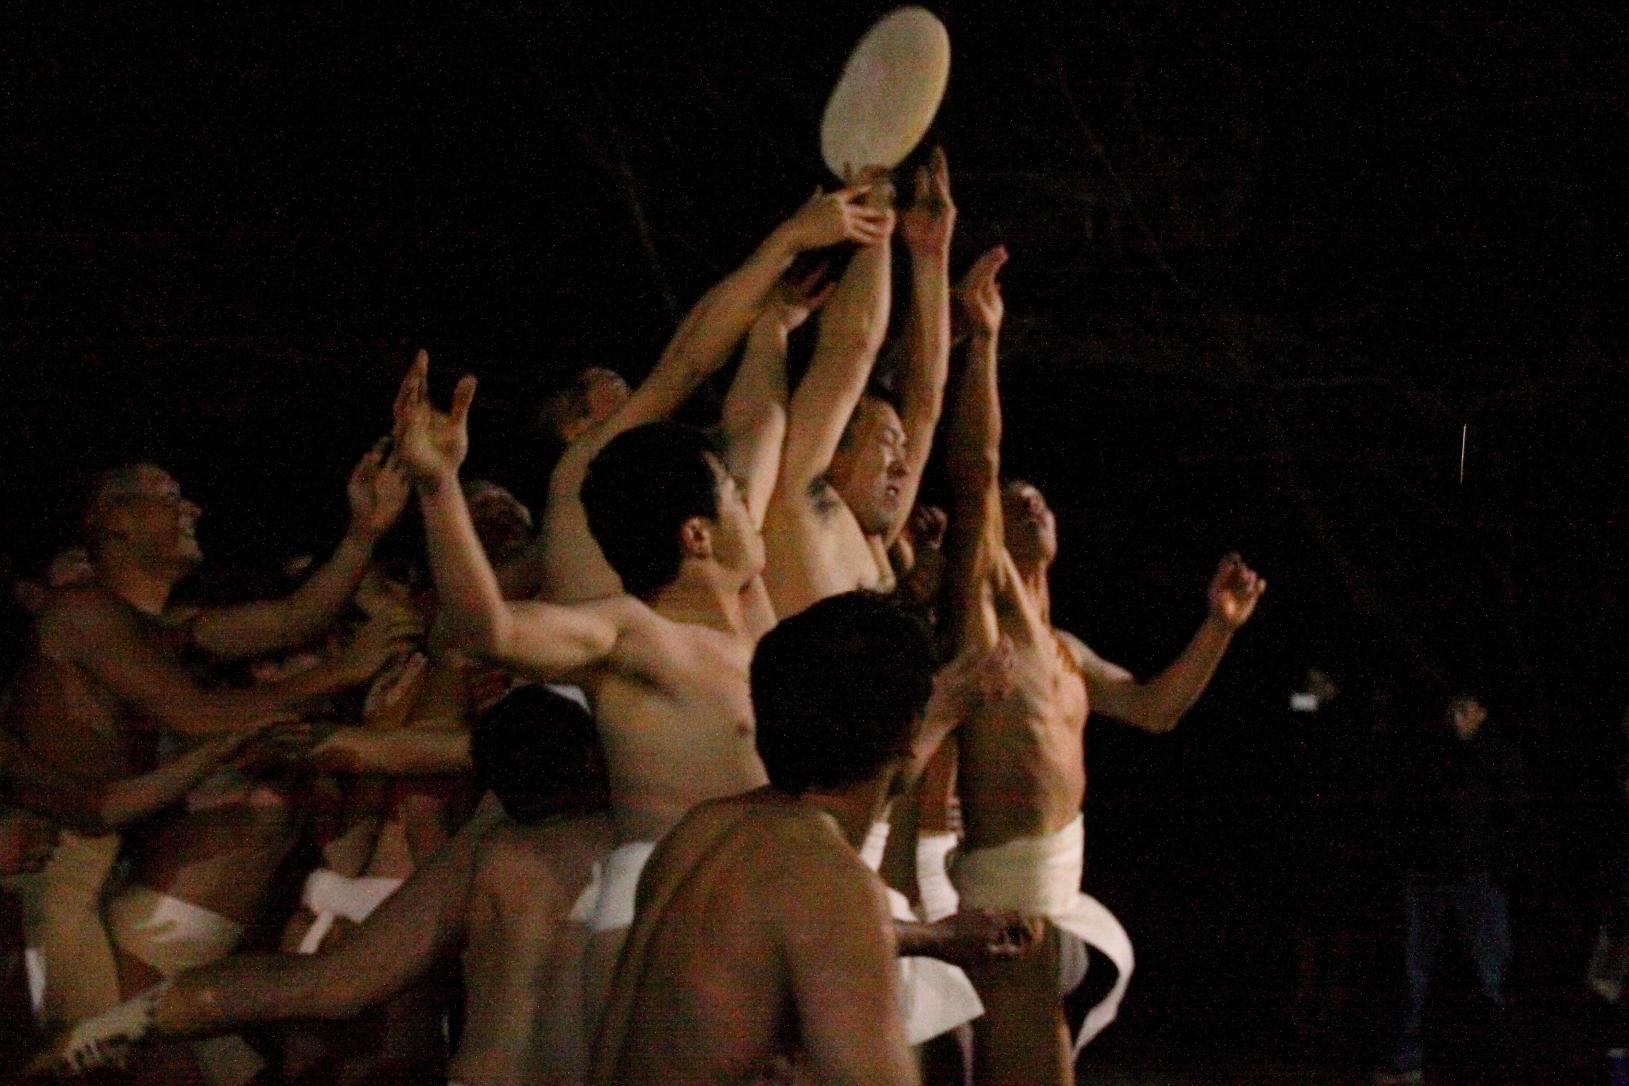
(430, 443)
(979, 307)
(377, 491)
(830, 217)
(1234, 591)
(927, 224)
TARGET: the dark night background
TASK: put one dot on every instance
(1267, 260)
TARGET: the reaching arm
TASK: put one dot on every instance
(925, 351)
(377, 490)
(1159, 703)
(573, 569)
(974, 542)
(851, 331)
(754, 417)
(544, 640)
(398, 752)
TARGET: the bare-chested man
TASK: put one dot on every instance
(1022, 756)
(566, 563)
(500, 885)
(105, 678)
(762, 945)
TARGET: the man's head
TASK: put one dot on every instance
(593, 396)
(137, 512)
(502, 523)
(1030, 529)
(868, 469)
(837, 692)
(657, 497)
(538, 752)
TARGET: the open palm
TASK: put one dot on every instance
(431, 443)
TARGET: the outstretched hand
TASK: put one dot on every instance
(831, 217)
(1234, 591)
(432, 444)
(978, 306)
(974, 937)
(377, 491)
(973, 678)
(927, 224)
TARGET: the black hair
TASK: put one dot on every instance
(639, 491)
(538, 752)
(837, 690)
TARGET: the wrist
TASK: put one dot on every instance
(1220, 624)
(429, 484)
(359, 540)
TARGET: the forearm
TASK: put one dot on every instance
(401, 752)
(257, 628)
(472, 610)
(1159, 703)
(135, 798)
(754, 416)
(925, 364)
(974, 450)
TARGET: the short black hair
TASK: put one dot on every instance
(837, 690)
(538, 752)
(639, 491)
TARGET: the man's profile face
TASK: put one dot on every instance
(1027, 521)
(737, 546)
(154, 519)
(868, 470)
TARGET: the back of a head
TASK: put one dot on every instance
(538, 752)
(837, 690)
(639, 491)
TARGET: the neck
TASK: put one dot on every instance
(1038, 585)
(854, 808)
(141, 588)
(700, 599)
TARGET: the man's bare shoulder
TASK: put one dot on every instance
(79, 616)
(548, 858)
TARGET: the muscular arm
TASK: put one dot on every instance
(106, 641)
(924, 355)
(840, 951)
(398, 752)
(974, 542)
(754, 418)
(1157, 704)
(377, 490)
(415, 928)
(573, 568)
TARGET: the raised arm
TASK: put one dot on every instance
(754, 417)
(851, 332)
(377, 490)
(975, 551)
(543, 640)
(1157, 704)
(572, 567)
(924, 351)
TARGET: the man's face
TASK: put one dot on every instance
(154, 519)
(868, 469)
(1031, 529)
(1467, 715)
(737, 546)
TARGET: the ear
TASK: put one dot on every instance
(696, 538)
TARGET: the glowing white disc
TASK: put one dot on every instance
(888, 93)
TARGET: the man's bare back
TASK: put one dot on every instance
(731, 943)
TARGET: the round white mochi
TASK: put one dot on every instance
(888, 93)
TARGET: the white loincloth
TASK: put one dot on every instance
(613, 887)
(330, 895)
(172, 935)
(934, 996)
(167, 933)
(1041, 875)
(71, 972)
(938, 893)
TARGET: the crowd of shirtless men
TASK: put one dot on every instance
(605, 800)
